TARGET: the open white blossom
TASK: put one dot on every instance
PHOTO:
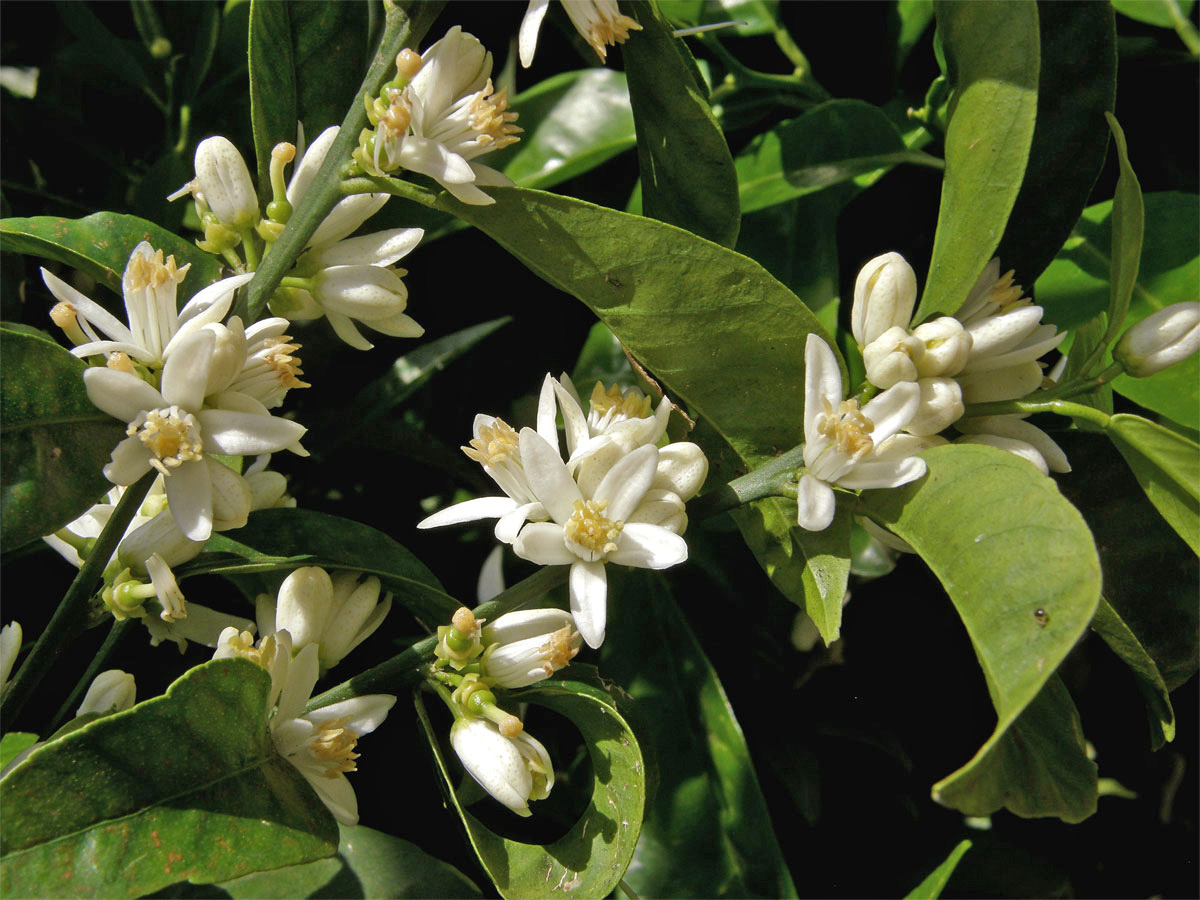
(111, 691)
(513, 770)
(840, 439)
(528, 646)
(599, 22)
(349, 212)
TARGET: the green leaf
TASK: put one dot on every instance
(302, 537)
(914, 16)
(758, 15)
(707, 831)
(107, 51)
(1167, 466)
(993, 58)
(602, 359)
(100, 244)
(15, 742)
(53, 441)
(272, 83)
(1128, 228)
(932, 886)
(1154, 12)
(1076, 86)
(369, 863)
(1016, 558)
(1036, 767)
(829, 144)
(687, 172)
(1123, 642)
(592, 856)
(105, 811)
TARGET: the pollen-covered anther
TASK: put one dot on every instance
(588, 528)
(496, 444)
(152, 271)
(334, 743)
(631, 404)
(489, 117)
(286, 366)
(848, 426)
(395, 120)
(1006, 295)
(120, 361)
(558, 649)
(171, 435)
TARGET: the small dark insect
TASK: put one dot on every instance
(1041, 617)
(612, 279)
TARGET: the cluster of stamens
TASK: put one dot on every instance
(558, 650)
(588, 528)
(497, 443)
(172, 435)
(334, 744)
(630, 404)
(603, 31)
(492, 120)
(1005, 295)
(153, 271)
(848, 427)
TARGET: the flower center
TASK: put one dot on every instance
(557, 650)
(489, 117)
(334, 744)
(631, 404)
(150, 271)
(588, 530)
(848, 427)
(497, 443)
(286, 366)
(171, 435)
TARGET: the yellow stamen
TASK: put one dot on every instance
(171, 435)
(848, 427)
(497, 443)
(588, 527)
(489, 116)
(558, 649)
(120, 362)
(334, 743)
(153, 271)
(631, 404)
(286, 367)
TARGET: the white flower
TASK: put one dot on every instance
(1005, 328)
(453, 118)
(270, 368)
(10, 647)
(939, 407)
(1160, 340)
(599, 22)
(155, 325)
(110, 691)
(374, 295)
(224, 183)
(947, 345)
(528, 646)
(349, 213)
(587, 532)
(1013, 434)
(513, 770)
(893, 357)
(884, 295)
(840, 439)
(202, 625)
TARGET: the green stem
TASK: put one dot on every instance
(409, 667)
(800, 81)
(72, 610)
(370, 184)
(1027, 407)
(118, 630)
(766, 481)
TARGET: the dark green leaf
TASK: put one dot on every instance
(1123, 642)
(55, 442)
(758, 16)
(932, 886)
(707, 832)
(1154, 12)
(1076, 86)
(100, 245)
(993, 58)
(687, 172)
(1128, 228)
(307, 537)
(106, 812)
(594, 854)
(272, 83)
(1167, 466)
(915, 16)
(108, 52)
(1038, 766)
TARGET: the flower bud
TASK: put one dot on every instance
(513, 770)
(682, 468)
(10, 646)
(947, 346)
(110, 692)
(893, 357)
(303, 606)
(230, 497)
(355, 613)
(941, 405)
(1168, 336)
(884, 295)
(225, 183)
(361, 292)
(1009, 383)
(228, 355)
(529, 646)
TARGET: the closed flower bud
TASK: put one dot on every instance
(513, 770)
(941, 406)
(682, 469)
(225, 183)
(884, 295)
(529, 646)
(947, 345)
(111, 691)
(10, 646)
(354, 614)
(1009, 383)
(893, 357)
(303, 605)
(1168, 336)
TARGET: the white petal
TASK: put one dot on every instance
(548, 477)
(893, 409)
(574, 421)
(885, 473)
(649, 547)
(468, 194)
(90, 310)
(189, 497)
(822, 380)
(508, 525)
(1011, 445)
(627, 482)
(185, 376)
(246, 434)
(547, 416)
(309, 164)
(346, 217)
(815, 504)
(470, 511)
(302, 673)
(399, 325)
(528, 35)
(380, 248)
(231, 496)
(345, 329)
(432, 158)
(363, 714)
(682, 468)
(589, 600)
(491, 576)
(130, 461)
(94, 348)
(120, 394)
(543, 543)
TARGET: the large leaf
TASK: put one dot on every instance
(99, 245)
(707, 831)
(1076, 86)
(1075, 289)
(1016, 558)
(1037, 767)
(53, 441)
(183, 786)
(283, 539)
(592, 856)
(1123, 642)
(1167, 466)
(993, 57)
(1155, 12)
(687, 172)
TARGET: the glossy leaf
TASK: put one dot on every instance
(687, 172)
(1154, 12)
(1016, 558)
(1123, 642)
(53, 441)
(758, 16)
(593, 855)
(272, 84)
(1036, 767)
(13, 743)
(932, 886)
(104, 812)
(1128, 228)
(289, 538)
(915, 16)
(369, 864)
(707, 831)
(100, 244)
(1167, 466)
(993, 58)
(1077, 84)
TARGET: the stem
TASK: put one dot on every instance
(64, 624)
(399, 32)
(1184, 28)
(371, 184)
(1058, 407)
(408, 668)
(743, 77)
(118, 630)
(765, 481)
(627, 890)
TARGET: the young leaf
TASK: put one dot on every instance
(53, 441)
(993, 57)
(592, 856)
(1038, 766)
(184, 786)
(1123, 642)
(932, 886)
(687, 172)
(1128, 228)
